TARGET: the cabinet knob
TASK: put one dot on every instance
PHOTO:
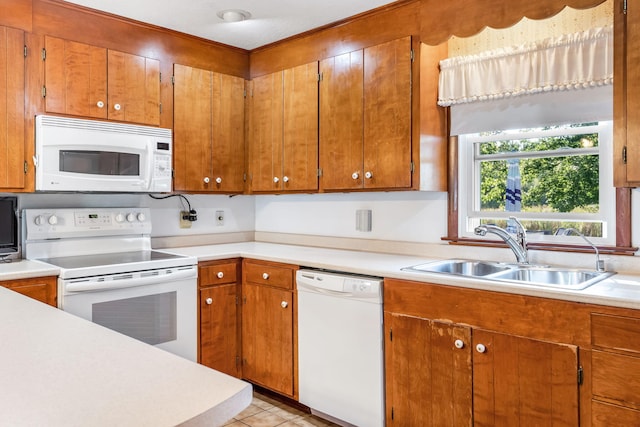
(100, 104)
(117, 107)
(284, 304)
(265, 276)
(218, 180)
(209, 301)
(285, 178)
(206, 179)
(355, 175)
(368, 174)
(276, 179)
(480, 348)
(459, 343)
(220, 274)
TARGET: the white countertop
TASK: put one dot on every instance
(618, 290)
(24, 269)
(57, 369)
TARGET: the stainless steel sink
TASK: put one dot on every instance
(460, 267)
(514, 273)
(554, 277)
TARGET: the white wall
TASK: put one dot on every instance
(409, 216)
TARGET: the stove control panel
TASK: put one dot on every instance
(85, 222)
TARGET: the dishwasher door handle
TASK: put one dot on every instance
(306, 287)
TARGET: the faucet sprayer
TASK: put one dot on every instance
(599, 262)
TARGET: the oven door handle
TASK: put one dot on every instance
(127, 281)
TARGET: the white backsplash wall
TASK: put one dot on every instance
(409, 216)
(238, 210)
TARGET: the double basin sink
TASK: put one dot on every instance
(560, 278)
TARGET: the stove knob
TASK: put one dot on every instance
(141, 217)
(131, 217)
(53, 220)
(119, 217)
(38, 220)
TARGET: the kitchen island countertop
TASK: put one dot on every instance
(60, 370)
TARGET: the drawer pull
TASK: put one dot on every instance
(480, 348)
(265, 276)
(459, 343)
(220, 274)
(284, 304)
(209, 301)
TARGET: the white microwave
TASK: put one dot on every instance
(94, 156)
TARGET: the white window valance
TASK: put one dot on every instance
(573, 61)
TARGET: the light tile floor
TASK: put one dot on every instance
(266, 412)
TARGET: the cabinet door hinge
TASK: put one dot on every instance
(160, 76)
(580, 375)
(173, 80)
(320, 76)
(25, 50)
(244, 300)
(160, 107)
(44, 91)
(244, 93)
(624, 7)
(44, 54)
(413, 167)
(624, 154)
(237, 361)
(26, 167)
(391, 334)
(412, 55)
(237, 301)
(319, 172)
(244, 177)
(392, 413)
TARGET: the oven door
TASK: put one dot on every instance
(159, 311)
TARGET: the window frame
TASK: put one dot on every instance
(471, 214)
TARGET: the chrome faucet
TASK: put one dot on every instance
(599, 262)
(517, 245)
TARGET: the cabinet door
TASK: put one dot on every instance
(228, 134)
(192, 132)
(267, 337)
(632, 82)
(428, 377)
(43, 289)
(133, 88)
(387, 115)
(12, 113)
(300, 134)
(266, 133)
(341, 127)
(218, 329)
(75, 78)
(520, 381)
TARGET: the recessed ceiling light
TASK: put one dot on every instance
(233, 15)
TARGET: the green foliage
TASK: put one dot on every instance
(559, 184)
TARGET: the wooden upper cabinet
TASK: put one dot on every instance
(208, 113)
(91, 81)
(366, 118)
(133, 88)
(387, 114)
(12, 111)
(341, 124)
(284, 130)
(626, 105)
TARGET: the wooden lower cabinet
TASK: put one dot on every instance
(268, 335)
(219, 332)
(44, 289)
(466, 371)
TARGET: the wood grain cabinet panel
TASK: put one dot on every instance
(219, 317)
(284, 131)
(366, 118)
(268, 331)
(90, 81)
(43, 289)
(208, 131)
(12, 110)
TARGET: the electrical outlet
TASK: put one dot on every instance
(184, 219)
(219, 218)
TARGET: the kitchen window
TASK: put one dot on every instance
(552, 179)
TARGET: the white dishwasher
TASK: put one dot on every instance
(340, 347)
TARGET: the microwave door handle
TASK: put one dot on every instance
(150, 165)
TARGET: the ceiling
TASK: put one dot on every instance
(271, 20)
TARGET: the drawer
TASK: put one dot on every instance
(616, 377)
(218, 274)
(268, 274)
(607, 415)
(615, 332)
